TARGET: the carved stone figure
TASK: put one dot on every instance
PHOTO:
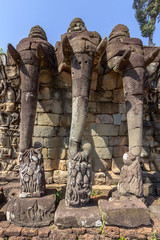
(31, 173)
(126, 56)
(130, 177)
(82, 50)
(33, 54)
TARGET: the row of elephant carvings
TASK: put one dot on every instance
(81, 52)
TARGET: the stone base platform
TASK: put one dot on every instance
(130, 213)
(31, 212)
(88, 216)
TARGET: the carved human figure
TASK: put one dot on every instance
(126, 56)
(82, 50)
(32, 55)
(5, 150)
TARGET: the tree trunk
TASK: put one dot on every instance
(150, 40)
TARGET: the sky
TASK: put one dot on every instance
(17, 17)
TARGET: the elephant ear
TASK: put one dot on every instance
(151, 56)
(66, 49)
(14, 53)
(101, 48)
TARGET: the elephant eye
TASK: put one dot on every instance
(79, 62)
(85, 61)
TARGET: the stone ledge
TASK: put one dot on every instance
(66, 217)
(129, 213)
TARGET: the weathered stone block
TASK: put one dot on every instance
(45, 152)
(109, 81)
(155, 210)
(48, 177)
(111, 178)
(122, 108)
(62, 131)
(66, 78)
(92, 107)
(55, 153)
(62, 165)
(100, 142)
(60, 177)
(117, 119)
(118, 96)
(108, 108)
(118, 141)
(68, 106)
(44, 131)
(13, 230)
(50, 106)
(107, 130)
(65, 120)
(105, 96)
(92, 96)
(123, 117)
(91, 129)
(123, 129)
(104, 118)
(103, 153)
(48, 119)
(55, 142)
(101, 165)
(94, 81)
(76, 217)
(124, 213)
(117, 164)
(50, 164)
(119, 151)
(90, 118)
(45, 93)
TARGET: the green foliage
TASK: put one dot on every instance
(147, 13)
(102, 227)
(154, 236)
(1, 50)
(58, 195)
(93, 193)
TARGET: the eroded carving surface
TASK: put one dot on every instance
(32, 182)
(130, 177)
(31, 212)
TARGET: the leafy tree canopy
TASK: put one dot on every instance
(147, 13)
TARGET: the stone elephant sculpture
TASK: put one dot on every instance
(33, 54)
(82, 50)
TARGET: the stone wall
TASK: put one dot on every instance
(106, 126)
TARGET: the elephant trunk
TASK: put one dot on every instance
(29, 90)
(81, 68)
